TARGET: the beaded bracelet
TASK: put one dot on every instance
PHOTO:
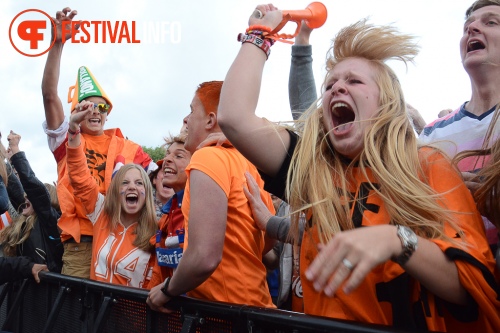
(257, 32)
(262, 43)
(259, 28)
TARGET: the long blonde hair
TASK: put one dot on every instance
(3, 170)
(147, 221)
(319, 175)
(19, 230)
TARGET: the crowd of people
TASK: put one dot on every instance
(378, 218)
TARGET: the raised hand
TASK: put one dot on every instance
(13, 140)
(78, 115)
(64, 18)
(304, 33)
(266, 15)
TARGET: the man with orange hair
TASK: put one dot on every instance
(223, 246)
(106, 150)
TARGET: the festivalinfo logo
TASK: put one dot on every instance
(30, 32)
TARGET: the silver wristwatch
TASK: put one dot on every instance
(409, 241)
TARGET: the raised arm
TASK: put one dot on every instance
(301, 85)
(35, 190)
(14, 188)
(85, 187)
(54, 113)
(256, 138)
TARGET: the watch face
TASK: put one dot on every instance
(412, 238)
(409, 235)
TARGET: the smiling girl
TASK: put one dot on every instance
(123, 221)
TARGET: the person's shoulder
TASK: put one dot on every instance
(429, 153)
(445, 122)
(117, 135)
(114, 132)
(211, 156)
(446, 118)
(432, 158)
(211, 151)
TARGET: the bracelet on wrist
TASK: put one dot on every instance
(73, 133)
(259, 41)
(262, 28)
(164, 290)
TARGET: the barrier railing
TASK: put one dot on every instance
(66, 304)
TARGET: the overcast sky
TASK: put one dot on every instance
(151, 84)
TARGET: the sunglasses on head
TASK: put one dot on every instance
(102, 107)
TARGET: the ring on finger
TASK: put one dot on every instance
(258, 14)
(348, 264)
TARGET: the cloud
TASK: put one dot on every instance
(152, 85)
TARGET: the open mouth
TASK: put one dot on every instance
(131, 199)
(95, 121)
(169, 171)
(342, 116)
(475, 45)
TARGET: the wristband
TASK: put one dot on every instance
(261, 43)
(258, 28)
(75, 132)
(164, 290)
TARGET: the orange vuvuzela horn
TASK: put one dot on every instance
(315, 15)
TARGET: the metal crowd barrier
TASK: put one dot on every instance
(66, 304)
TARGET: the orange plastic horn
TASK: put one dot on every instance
(315, 15)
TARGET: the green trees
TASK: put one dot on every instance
(156, 153)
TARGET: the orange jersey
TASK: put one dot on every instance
(102, 153)
(241, 276)
(388, 295)
(114, 257)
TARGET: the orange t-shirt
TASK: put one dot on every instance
(240, 277)
(390, 296)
